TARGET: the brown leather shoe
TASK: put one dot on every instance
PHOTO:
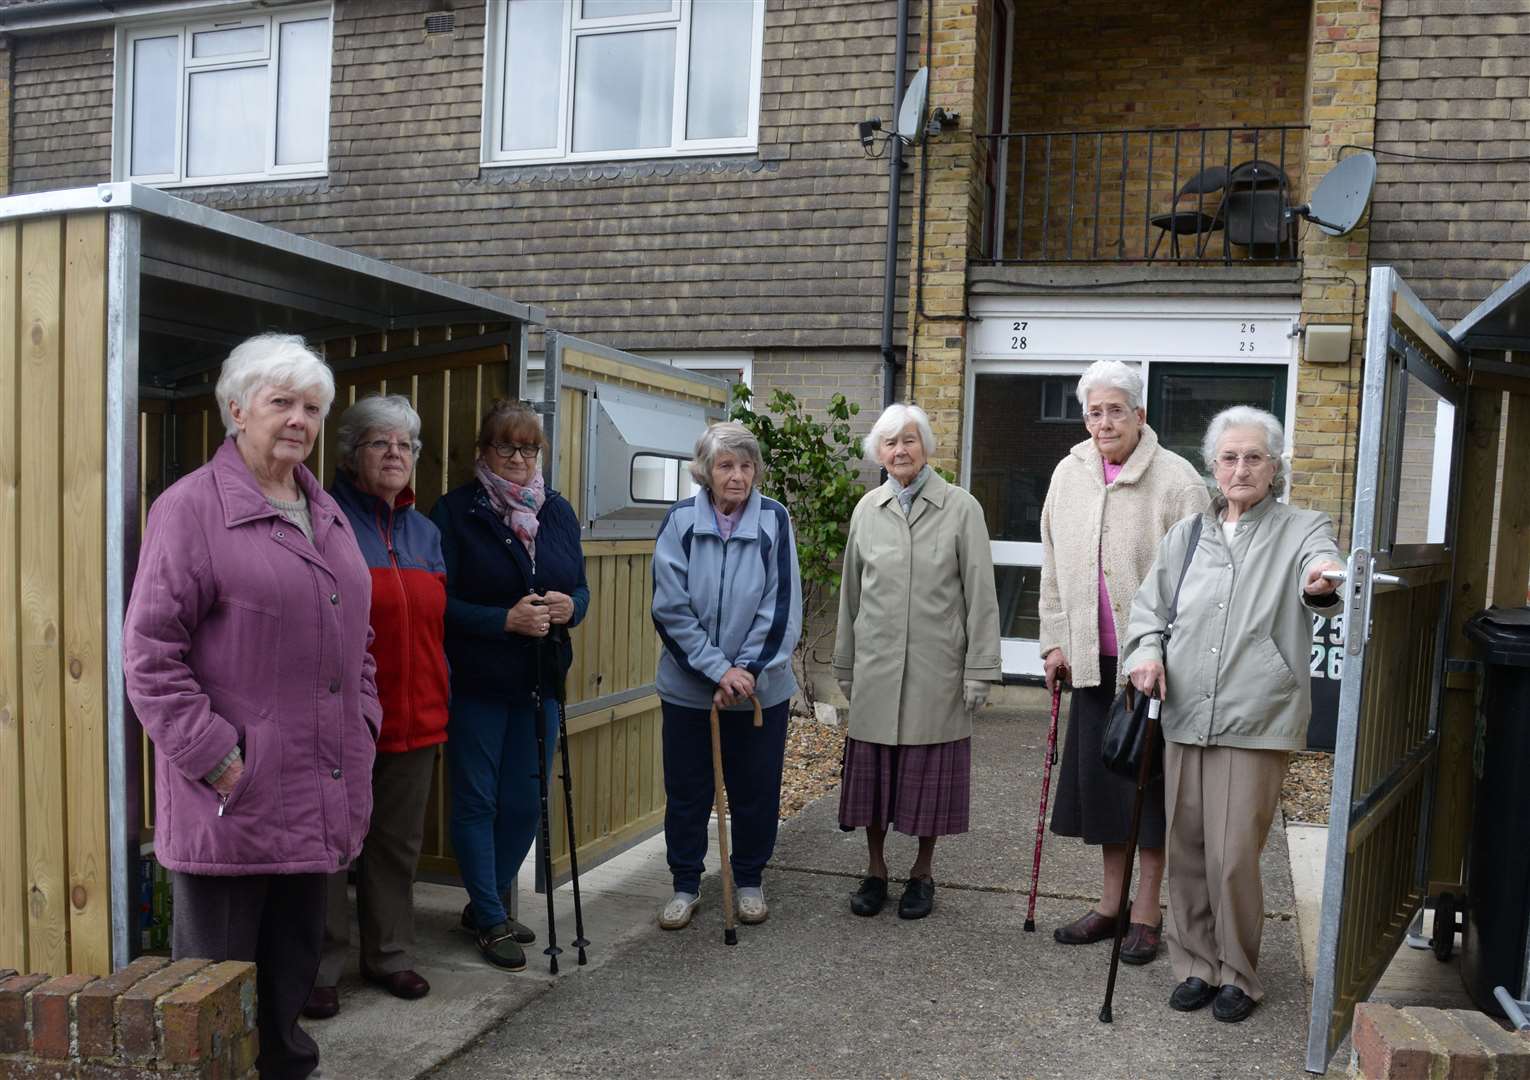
(406, 984)
(1140, 946)
(1086, 929)
(323, 1002)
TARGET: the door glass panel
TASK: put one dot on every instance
(1015, 447)
(1423, 478)
(1019, 590)
(624, 90)
(1184, 397)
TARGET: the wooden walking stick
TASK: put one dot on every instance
(730, 932)
(1041, 814)
(1144, 778)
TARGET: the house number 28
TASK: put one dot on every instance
(1017, 340)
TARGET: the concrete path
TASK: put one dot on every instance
(819, 992)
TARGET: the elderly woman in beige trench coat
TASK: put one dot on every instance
(916, 647)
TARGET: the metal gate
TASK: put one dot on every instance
(621, 428)
(1397, 600)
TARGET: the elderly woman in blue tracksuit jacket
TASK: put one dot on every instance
(727, 600)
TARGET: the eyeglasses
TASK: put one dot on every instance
(1230, 461)
(1115, 412)
(382, 446)
(509, 450)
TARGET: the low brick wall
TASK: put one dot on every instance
(1435, 1044)
(154, 1018)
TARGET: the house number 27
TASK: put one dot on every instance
(1017, 339)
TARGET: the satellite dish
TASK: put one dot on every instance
(1340, 200)
(911, 114)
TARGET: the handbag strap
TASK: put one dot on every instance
(1195, 541)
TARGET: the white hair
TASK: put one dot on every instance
(283, 360)
(374, 413)
(1111, 375)
(893, 420)
(728, 437)
(1246, 416)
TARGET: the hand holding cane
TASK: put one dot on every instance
(1041, 814)
(1144, 773)
(730, 933)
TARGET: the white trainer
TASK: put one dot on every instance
(751, 905)
(676, 914)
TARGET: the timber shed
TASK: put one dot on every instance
(117, 305)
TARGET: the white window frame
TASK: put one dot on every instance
(575, 27)
(269, 57)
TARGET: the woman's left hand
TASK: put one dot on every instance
(1316, 584)
(560, 607)
(735, 685)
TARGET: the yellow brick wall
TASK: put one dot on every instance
(1095, 65)
(1341, 97)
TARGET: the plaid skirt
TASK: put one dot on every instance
(918, 790)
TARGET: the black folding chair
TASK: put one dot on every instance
(1254, 212)
(1192, 220)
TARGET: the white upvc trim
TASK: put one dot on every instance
(495, 29)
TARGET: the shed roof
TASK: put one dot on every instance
(208, 279)
(1502, 321)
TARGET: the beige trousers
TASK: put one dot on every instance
(1220, 802)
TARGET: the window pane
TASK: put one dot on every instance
(156, 69)
(624, 90)
(302, 92)
(611, 9)
(533, 76)
(225, 122)
(659, 479)
(1423, 481)
(721, 35)
(1019, 592)
(1184, 398)
(235, 42)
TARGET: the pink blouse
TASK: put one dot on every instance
(1108, 644)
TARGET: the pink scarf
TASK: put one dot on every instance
(516, 504)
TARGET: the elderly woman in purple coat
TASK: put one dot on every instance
(247, 664)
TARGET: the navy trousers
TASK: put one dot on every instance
(752, 758)
(491, 752)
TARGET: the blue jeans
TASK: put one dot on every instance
(752, 758)
(491, 752)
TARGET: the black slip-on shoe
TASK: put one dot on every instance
(918, 898)
(1192, 994)
(1232, 1005)
(522, 933)
(870, 897)
(499, 948)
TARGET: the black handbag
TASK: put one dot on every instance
(1126, 727)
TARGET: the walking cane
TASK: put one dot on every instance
(552, 951)
(1041, 814)
(560, 696)
(730, 933)
(1144, 771)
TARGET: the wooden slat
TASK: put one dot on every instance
(13, 872)
(84, 452)
(596, 548)
(613, 769)
(575, 360)
(462, 424)
(1511, 560)
(430, 469)
(634, 778)
(41, 617)
(639, 622)
(621, 620)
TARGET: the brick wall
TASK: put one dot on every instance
(1113, 64)
(1404, 1044)
(1453, 84)
(1341, 109)
(780, 248)
(153, 1019)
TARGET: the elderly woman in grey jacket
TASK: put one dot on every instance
(1236, 699)
(727, 601)
(916, 646)
(1110, 502)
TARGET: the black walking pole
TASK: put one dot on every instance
(552, 949)
(559, 690)
(1144, 772)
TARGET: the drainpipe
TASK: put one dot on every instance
(894, 194)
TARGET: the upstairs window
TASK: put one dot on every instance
(224, 100)
(602, 80)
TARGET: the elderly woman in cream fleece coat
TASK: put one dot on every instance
(1110, 502)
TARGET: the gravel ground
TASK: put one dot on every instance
(1309, 783)
(813, 753)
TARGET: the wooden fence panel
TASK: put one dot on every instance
(13, 857)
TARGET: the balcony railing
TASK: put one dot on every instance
(1183, 195)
